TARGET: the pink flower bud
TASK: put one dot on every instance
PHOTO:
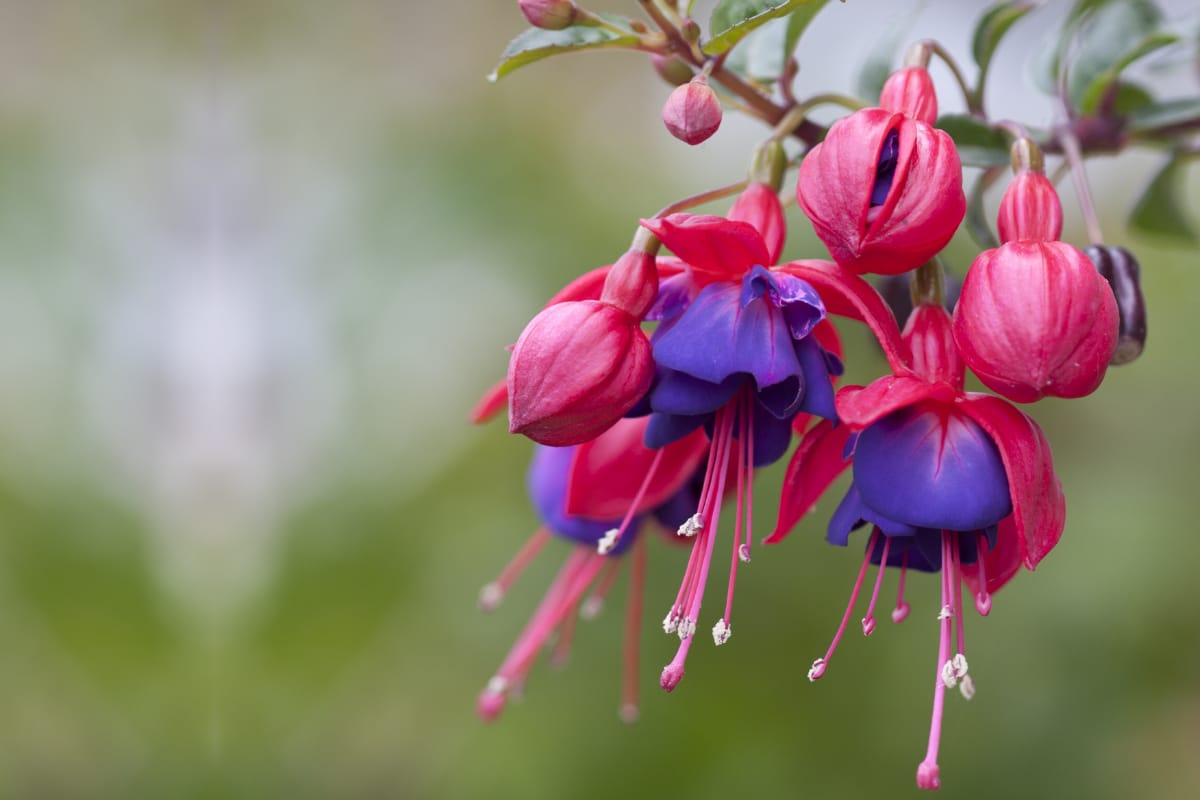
(1030, 209)
(632, 283)
(930, 336)
(883, 191)
(693, 112)
(577, 368)
(1035, 319)
(909, 91)
(552, 15)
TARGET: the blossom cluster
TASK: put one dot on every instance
(657, 386)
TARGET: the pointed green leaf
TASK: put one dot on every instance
(976, 217)
(733, 19)
(1088, 97)
(762, 55)
(978, 144)
(991, 28)
(536, 44)
(1159, 211)
(1151, 116)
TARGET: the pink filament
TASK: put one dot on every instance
(496, 590)
(637, 499)
(869, 620)
(743, 504)
(837, 637)
(927, 770)
(983, 598)
(633, 619)
(900, 612)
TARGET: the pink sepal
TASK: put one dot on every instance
(707, 243)
(816, 464)
(1039, 507)
(607, 472)
(759, 205)
(860, 406)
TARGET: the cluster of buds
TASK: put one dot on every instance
(742, 358)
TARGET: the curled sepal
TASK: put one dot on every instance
(575, 370)
(848, 295)
(608, 472)
(723, 249)
(1039, 507)
(819, 459)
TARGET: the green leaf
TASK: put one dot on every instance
(1165, 114)
(882, 59)
(1131, 99)
(536, 44)
(1089, 99)
(733, 19)
(991, 28)
(763, 53)
(976, 217)
(1159, 211)
(978, 144)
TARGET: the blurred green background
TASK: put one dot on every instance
(258, 259)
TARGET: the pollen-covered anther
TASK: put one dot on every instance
(900, 612)
(817, 669)
(967, 687)
(671, 622)
(490, 597)
(949, 676)
(983, 603)
(960, 665)
(591, 607)
(744, 553)
(721, 632)
(687, 627)
(868, 625)
(608, 541)
(691, 527)
(945, 613)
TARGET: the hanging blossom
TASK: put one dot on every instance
(738, 352)
(597, 495)
(948, 481)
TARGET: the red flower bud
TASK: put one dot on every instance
(930, 336)
(577, 368)
(1035, 319)
(883, 191)
(909, 91)
(1030, 209)
(693, 112)
(553, 15)
(632, 283)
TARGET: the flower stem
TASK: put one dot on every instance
(973, 98)
(702, 198)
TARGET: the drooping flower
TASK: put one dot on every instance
(1035, 319)
(884, 189)
(596, 495)
(949, 481)
(738, 354)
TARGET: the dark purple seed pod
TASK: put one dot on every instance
(1118, 266)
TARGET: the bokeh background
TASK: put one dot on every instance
(258, 259)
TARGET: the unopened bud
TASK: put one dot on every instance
(910, 91)
(1124, 276)
(672, 69)
(553, 15)
(693, 112)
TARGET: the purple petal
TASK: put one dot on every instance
(674, 294)
(666, 428)
(930, 466)
(772, 436)
(680, 393)
(818, 395)
(801, 305)
(853, 512)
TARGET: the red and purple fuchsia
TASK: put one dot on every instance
(666, 427)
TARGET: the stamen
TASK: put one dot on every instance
(562, 641)
(955, 579)
(967, 687)
(594, 603)
(633, 624)
(744, 553)
(900, 612)
(611, 538)
(491, 595)
(983, 598)
(721, 632)
(671, 622)
(691, 526)
(687, 627)
(927, 770)
(818, 666)
(608, 541)
(868, 622)
(721, 636)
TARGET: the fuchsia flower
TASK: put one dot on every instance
(884, 189)
(597, 495)
(1035, 318)
(951, 481)
(737, 354)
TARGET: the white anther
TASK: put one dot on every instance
(687, 627)
(960, 665)
(744, 553)
(608, 541)
(967, 687)
(591, 607)
(497, 685)
(692, 526)
(945, 613)
(490, 597)
(817, 669)
(721, 632)
(948, 676)
(671, 622)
